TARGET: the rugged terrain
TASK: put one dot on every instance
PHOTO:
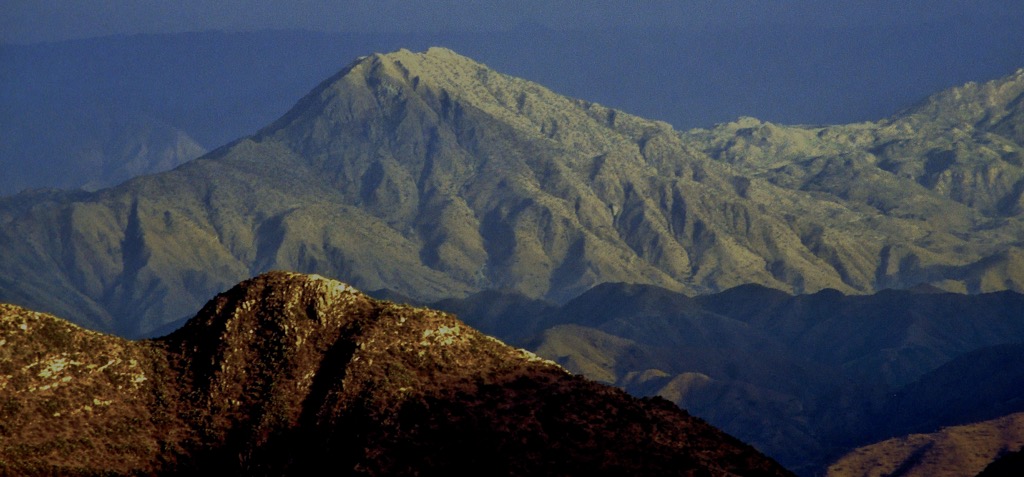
(434, 176)
(288, 373)
(803, 378)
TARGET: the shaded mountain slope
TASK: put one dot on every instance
(434, 176)
(496, 313)
(804, 378)
(992, 379)
(287, 374)
(1006, 465)
(954, 451)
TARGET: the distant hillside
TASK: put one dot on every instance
(803, 378)
(434, 176)
(89, 147)
(288, 374)
(954, 451)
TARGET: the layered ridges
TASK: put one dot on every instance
(801, 377)
(288, 373)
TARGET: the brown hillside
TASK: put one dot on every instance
(288, 373)
(955, 451)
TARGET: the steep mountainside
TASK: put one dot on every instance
(434, 176)
(288, 374)
(803, 378)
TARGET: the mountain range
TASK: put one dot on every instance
(289, 374)
(810, 289)
(434, 176)
(62, 102)
(803, 378)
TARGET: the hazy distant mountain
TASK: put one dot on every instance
(88, 147)
(434, 176)
(287, 374)
(803, 378)
(68, 104)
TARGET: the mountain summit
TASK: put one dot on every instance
(289, 374)
(434, 176)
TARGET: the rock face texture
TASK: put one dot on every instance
(434, 176)
(289, 373)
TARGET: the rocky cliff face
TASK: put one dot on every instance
(288, 373)
(432, 175)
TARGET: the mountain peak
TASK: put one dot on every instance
(435, 62)
(404, 94)
(280, 320)
(983, 105)
(432, 175)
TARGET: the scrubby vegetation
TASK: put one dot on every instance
(287, 374)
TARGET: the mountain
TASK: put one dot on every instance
(963, 144)
(958, 419)
(218, 86)
(804, 378)
(954, 451)
(433, 176)
(91, 147)
(991, 376)
(286, 374)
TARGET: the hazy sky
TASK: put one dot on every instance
(28, 21)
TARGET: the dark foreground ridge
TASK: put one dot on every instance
(288, 373)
